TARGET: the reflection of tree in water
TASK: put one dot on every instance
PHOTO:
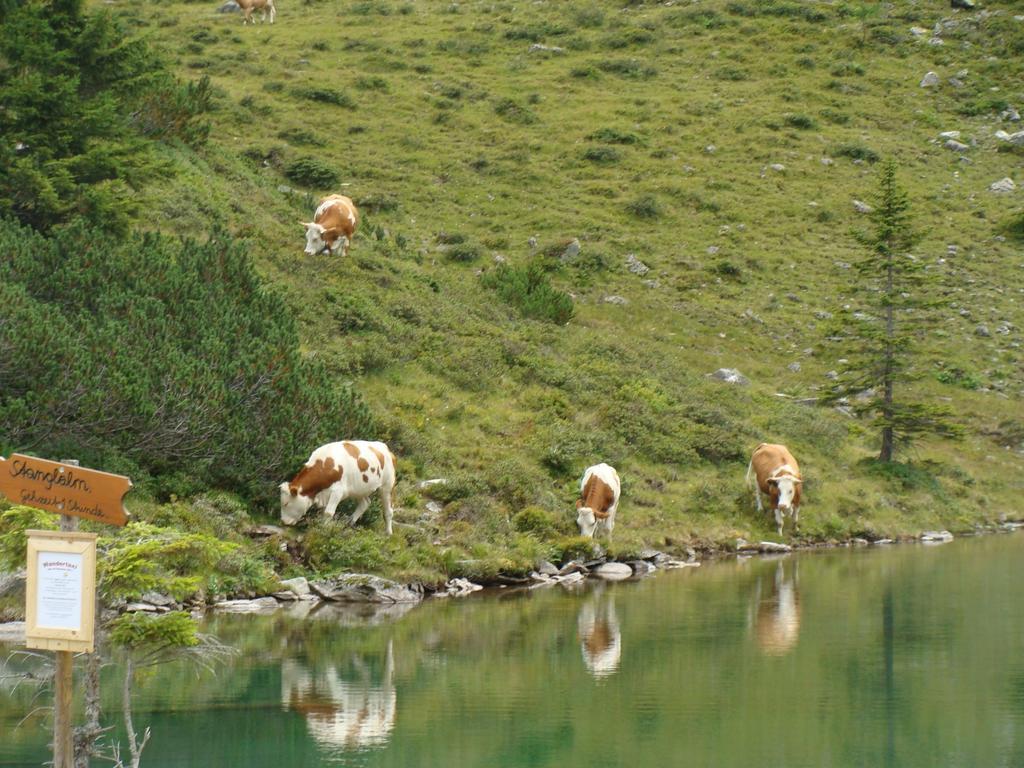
(600, 637)
(777, 618)
(347, 711)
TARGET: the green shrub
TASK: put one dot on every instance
(78, 99)
(602, 155)
(535, 520)
(802, 122)
(856, 152)
(959, 377)
(574, 548)
(463, 252)
(311, 172)
(530, 291)
(645, 207)
(631, 68)
(536, 33)
(171, 354)
(325, 96)
(614, 136)
(514, 112)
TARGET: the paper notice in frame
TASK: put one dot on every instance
(60, 591)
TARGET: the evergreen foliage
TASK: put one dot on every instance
(78, 101)
(879, 338)
(529, 289)
(171, 355)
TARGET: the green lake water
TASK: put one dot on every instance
(901, 656)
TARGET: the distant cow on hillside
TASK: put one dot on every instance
(248, 6)
(776, 473)
(599, 498)
(332, 226)
(353, 469)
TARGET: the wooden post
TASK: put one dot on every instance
(64, 682)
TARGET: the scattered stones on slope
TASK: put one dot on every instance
(634, 265)
(615, 300)
(229, 7)
(861, 207)
(956, 146)
(730, 376)
(930, 80)
(572, 250)
(1003, 185)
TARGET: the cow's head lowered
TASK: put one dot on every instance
(319, 239)
(784, 491)
(294, 503)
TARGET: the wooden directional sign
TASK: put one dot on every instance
(65, 489)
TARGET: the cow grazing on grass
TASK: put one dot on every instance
(353, 469)
(599, 498)
(332, 226)
(777, 474)
(248, 6)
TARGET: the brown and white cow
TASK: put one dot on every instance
(600, 636)
(777, 612)
(352, 469)
(248, 6)
(599, 498)
(343, 711)
(777, 474)
(332, 227)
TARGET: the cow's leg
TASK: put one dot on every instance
(757, 498)
(332, 505)
(385, 502)
(779, 519)
(796, 519)
(360, 508)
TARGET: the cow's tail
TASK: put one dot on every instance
(750, 474)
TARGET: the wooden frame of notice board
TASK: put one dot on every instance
(60, 593)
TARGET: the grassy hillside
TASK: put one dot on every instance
(720, 143)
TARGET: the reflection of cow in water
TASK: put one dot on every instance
(777, 621)
(600, 638)
(342, 713)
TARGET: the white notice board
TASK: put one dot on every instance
(61, 590)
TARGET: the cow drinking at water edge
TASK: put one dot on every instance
(599, 498)
(776, 473)
(352, 469)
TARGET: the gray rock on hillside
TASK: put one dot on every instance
(364, 588)
(730, 376)
(930, 80)
(229, 7)
(572, 250)
(615, 300)
(634, 265)
(861, 207)
(1011, 114)
(956, 146)
(1016, 138)
(1003, 185)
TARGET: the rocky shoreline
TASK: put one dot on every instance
(383, 599)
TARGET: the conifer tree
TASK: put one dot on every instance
(878, 336)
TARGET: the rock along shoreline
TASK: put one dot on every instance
(364, 598)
